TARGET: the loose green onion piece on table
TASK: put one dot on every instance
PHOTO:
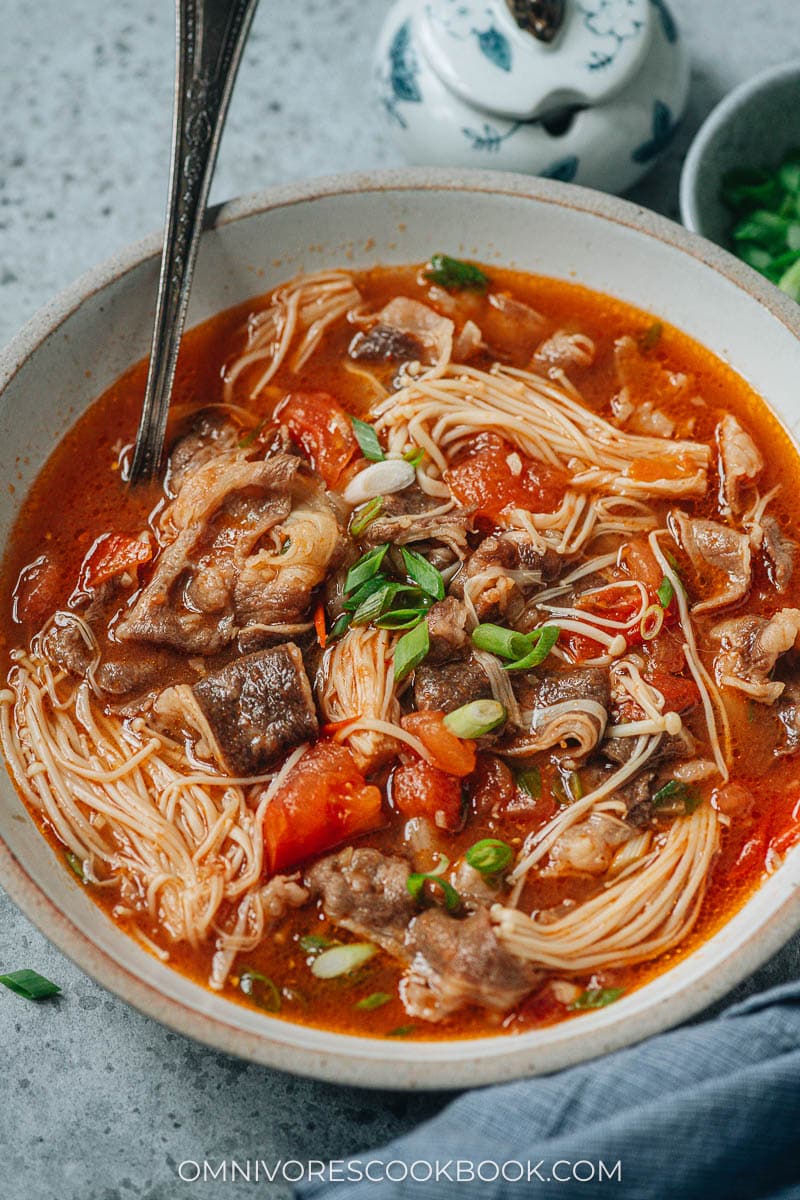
(530, 781)
(496, 639)
(410, 650)
(416, 884)
(30, 985)
(367, 440)
(475, 719)
(261, 990)
(340, 960)
(373, 1001)
(455, 275)
(366, 515)
(367, 566)
(489, 856)
(423, 573)
(545, 639)
(595, 998)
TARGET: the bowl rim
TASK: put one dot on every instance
(716, 119)
(362, 1061)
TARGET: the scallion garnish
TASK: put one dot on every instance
(766, 233)
(677, 792)
(260, 989)
(423, 573)
(366, 515)
(400, 618)
(489, 856)
(530, 781)
(367, 440)
(313, 943)
(410, 650)
(414, 457)
(250, 437)
(340, 960)
(373, 1001)
(75, 865)
(651, 336)
(401, 1031)
(543, 641)
(339, 626)
(416, 883)
(367, 566)
(379, 602)
(475, 719)
(30, 985)
(665, 592)
(455, 275)
(565, 791)
(595, 998)
(524, 650)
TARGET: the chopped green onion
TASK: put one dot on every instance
(400, 618)
(401, 1031)
(766, 233)
(286, 547)
(367, 439)
(416, 883)
(261, 990)
(651, 622)
(546, 638)
(677, 792)
(367, 566)
(595, 998)
(340, 960)
(339, 626)
(30, 985)
(313, 943)
(566, 791)
(489, 856)
(505, 643)
(423, 573)
(475, 719)
(75, 865)
(414, 456)
(455, 275)
(251, 436)
(410, 650)
(366, 515)
(373, 1001)
(651, 336)
(381, 600)
(530, 781)
(665, 593)
(357, 598)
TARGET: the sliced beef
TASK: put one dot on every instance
(248, 712)
(446, 687)
(66, 646)
(365, 891)
(787, 711)
(385, 344)
(432, 332)
(458, 962)
(435, 530)
(721, 558)
(780, 553)
(561, 708)
(128, 671)
(491, 576)
(750, 646)
(447, 629)
(555, 687)
(212, 433)
(740, 461)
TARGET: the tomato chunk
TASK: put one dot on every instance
(112, 554)
(421, 790)
(680, 694)
(454, 755)
(321, 428)
(483, 479)
(324, 801)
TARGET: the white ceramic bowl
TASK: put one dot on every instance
(75, 347)
(753, 126)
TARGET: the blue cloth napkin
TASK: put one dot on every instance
(708, 1111)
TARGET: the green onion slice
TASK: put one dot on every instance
(366, 515)
(30, 985)
(75, 865)
(566, 791)
(414, 456)
(595, 998)
(400, 618)
(340, 960)
(665, 593)
(416, 883)
(530, 781)
(401, 1031)
(546, 638)
(339, 626)
(313, 943)
(475, 719)
(676, 792)
(423, 573)
(260, 989)
(382, 599)
(410, 650)
(651, 336)
(367, 566)
(455, 275)
(373, 1001)
(489, 856)
(505, 643)
(367, 439)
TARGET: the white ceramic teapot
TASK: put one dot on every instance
(583, 90)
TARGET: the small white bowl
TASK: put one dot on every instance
(753, 126)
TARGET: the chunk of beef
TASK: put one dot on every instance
(365, 891)
(66, 644)
(498, 571)
(740, 461)
(212, 433)
(787, 711)
(248, 712)
(555, 687)
(447, 686)
(429, 329)
(128, 671)
(780, 553)
(447, 630)
(430, 531)
(385, 344)
(750, 646)
(458, 962)
(720, 556)
(562, 708)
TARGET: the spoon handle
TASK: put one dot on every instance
(211, 35)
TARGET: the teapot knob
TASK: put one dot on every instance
(542, 18)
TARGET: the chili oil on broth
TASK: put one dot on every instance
(84, 474)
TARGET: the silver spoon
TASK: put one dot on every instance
(211, 35)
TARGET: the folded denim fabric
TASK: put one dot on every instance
(706, 1111)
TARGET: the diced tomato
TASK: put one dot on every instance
(680, 694)
(483, 479)
(112, 554)
(640, 563)
(421, 790)
(322, 430)
(453, 754)
(36, 591)
(578, 648)
(324, 801)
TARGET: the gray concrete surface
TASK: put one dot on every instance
(96, 1101)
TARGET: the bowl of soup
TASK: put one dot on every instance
(434, 718)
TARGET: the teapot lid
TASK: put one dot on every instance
(522, 58)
